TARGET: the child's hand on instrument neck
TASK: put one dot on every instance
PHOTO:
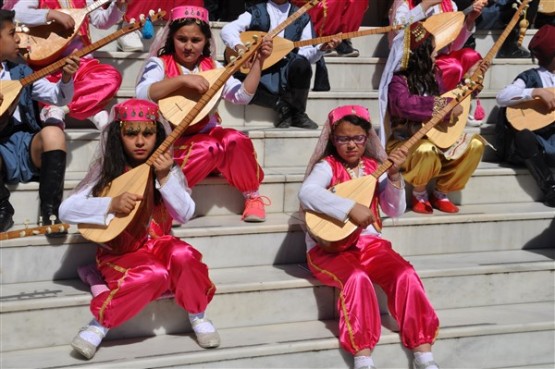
(162, 166)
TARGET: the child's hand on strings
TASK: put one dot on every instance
(547, 96)
(361, 215)
(265, 49)
(124, 203)
(456, 112)
(195, 82)
(62, 18)
(162, 166)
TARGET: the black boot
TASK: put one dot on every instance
(297, 98)
(51, 187)
(6, 209)
(285, 112)
(321, 80)
(541, 172)
(511, 49)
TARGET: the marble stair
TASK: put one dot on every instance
(489, 271)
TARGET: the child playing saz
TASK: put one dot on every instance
(349, 148)
(183, 50)
(145, 261)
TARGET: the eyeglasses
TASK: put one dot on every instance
(343, 140)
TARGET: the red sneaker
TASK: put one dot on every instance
(421, 206)
(254, 209)
(444, 205)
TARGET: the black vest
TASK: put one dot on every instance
(28, 109)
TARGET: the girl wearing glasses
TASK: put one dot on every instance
(349, 148)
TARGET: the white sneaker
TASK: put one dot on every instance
(53, 116)
(130, 42)
(100, 119)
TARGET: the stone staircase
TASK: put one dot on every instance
(489, 271)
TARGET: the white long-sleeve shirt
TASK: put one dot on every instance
(28, 13)
(231, 32)
(44, 91)
(82, 207)
(517, 91)
(315, 196)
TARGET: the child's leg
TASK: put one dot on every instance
(406, 297)
(134, 279)
(359, 313)
(198, 156)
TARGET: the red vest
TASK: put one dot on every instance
(341, 175)
(172, 69)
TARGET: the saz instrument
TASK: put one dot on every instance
(45, 43)
(446, 134)
(282, 46)
(48, 229)
(174, 108)
(532, 115)
(12, 89)
(139, 179)
(335, 236)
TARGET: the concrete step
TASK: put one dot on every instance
(360, 74)
(500, 335)
(271, 291)
(491, 183)
(226, 242)
(368, 46)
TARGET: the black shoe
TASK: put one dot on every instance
(285, 115)
(345, 48)
(302, 120)
(513, 52)
(6, 215)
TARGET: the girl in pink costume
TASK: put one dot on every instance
(95, 83)
(182, 50)
(144, 261)
(349, 148)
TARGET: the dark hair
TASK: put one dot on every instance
(354, 120)
(6, 16)
(421, 71)
(169, 47)
(115, 166)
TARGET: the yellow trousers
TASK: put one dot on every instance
(425, 162)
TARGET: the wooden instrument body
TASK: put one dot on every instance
(134, 181)
(10, 90)
(532, 115)
(445, 27)
(333, 235)
(26, 232)
(176, 107)
(547, 7)
(46, 43)
(446, 134)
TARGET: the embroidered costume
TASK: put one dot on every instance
(370, 259)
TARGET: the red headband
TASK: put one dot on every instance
(342, 111)
(136, 110)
